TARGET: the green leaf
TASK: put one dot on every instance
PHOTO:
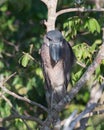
(3, 8)
(86, 25)
(93, 25)
(25, 60)
(95, 45)
(98, 29)
(86, 54)
(78, 74)
(10, 25)
(103, 62)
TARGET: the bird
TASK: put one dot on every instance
(57, 59)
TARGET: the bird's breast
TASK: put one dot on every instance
(56, 74)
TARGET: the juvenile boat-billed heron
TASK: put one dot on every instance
(57, 61)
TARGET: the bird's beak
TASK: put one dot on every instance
(55, 52)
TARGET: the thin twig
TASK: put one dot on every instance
(17, 96)
(22, 98)
(31, 57)
(9, 77)
(7, 100)
(81, 64)
(11, 44)
(12, 117)
(8, 42)
(17, 115)
(15, 111)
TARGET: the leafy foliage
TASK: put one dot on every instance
(75, 24)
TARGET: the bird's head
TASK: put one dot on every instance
(55, 41)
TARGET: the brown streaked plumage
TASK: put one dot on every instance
(57, 61)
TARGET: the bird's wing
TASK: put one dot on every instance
(69, 59)
(45, 58)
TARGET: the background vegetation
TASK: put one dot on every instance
(21, 36)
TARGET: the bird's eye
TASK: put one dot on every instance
(49, 39)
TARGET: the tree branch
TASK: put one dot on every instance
(12, 117)
(21, 98)
(17, 115)
(69, 120)
(14, 110)
(52, 14)
(95, 96)
(78, 10)
(51, 5)
(9, 77)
